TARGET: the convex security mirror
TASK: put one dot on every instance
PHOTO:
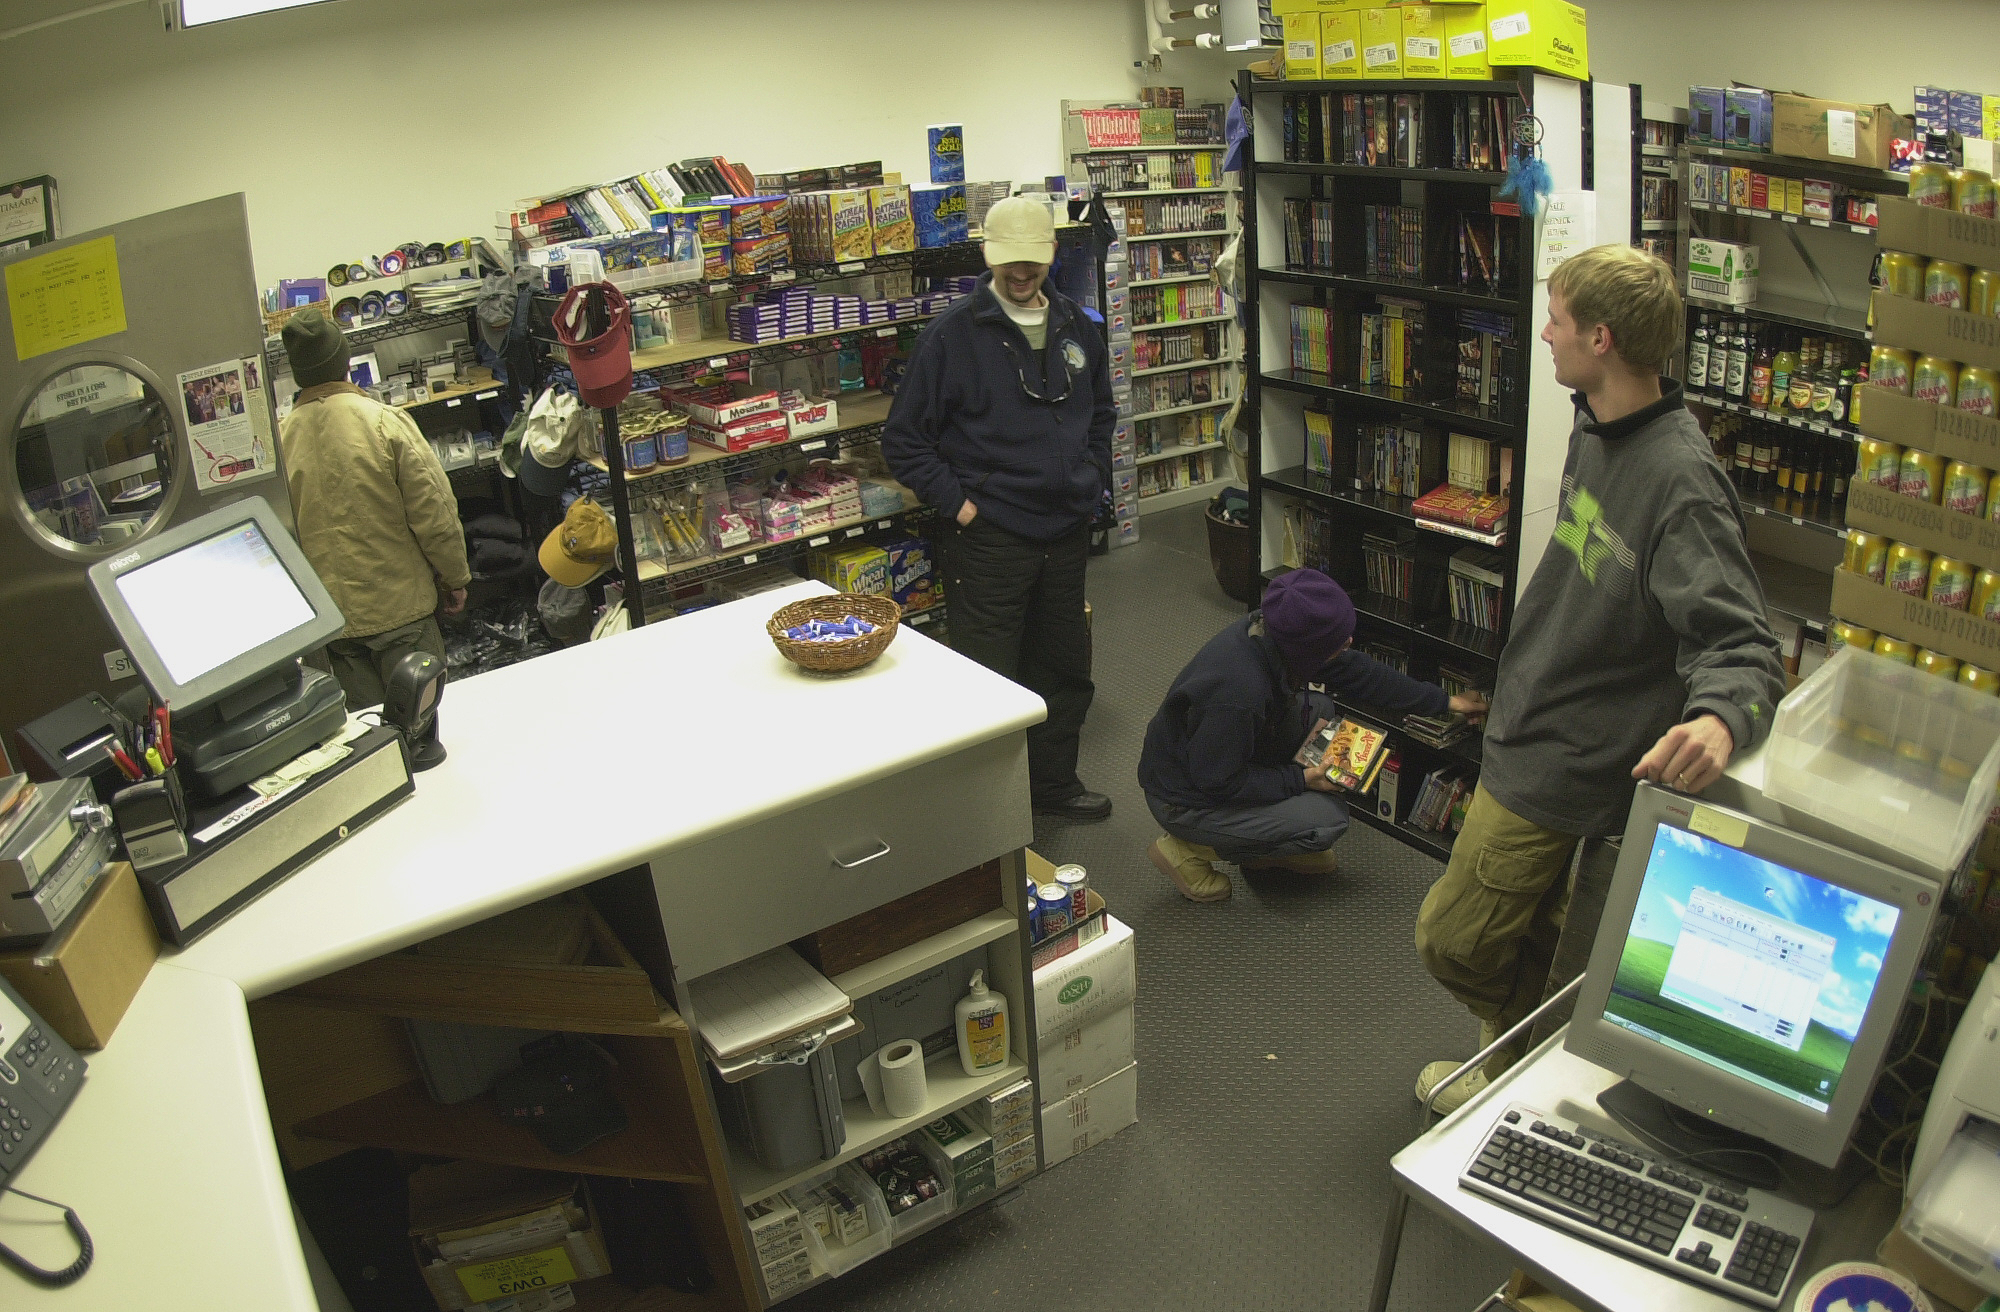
(93, 457)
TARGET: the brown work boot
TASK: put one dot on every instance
(1192, 868)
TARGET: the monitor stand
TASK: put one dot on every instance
(1719, 1150)
(255, 730)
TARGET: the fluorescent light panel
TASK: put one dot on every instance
(197, 13)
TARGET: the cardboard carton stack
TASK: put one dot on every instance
(1084, 1028)
(1008, 1118)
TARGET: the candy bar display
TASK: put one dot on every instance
(848, 626)
(906, 1175)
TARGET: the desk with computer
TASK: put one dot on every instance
(1688, 1138)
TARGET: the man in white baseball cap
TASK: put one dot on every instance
(1003, 422)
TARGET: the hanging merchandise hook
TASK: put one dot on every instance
(1528, 181)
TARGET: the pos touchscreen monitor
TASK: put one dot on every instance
(1749, 974)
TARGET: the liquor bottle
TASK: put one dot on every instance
(1788, 455)
(1783, 365)
(1760, 372)
(1839, 461)
(1843, 399)
(1744, 471)
(1809, 477)
(1718, 358)
(1765, 459)
(1697, 357)
(1856, 394)
(1736, 378)
(1825, 383)
(1799, 401)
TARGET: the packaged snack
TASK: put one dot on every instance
(852, 236)
(911, 573)
(889, 215)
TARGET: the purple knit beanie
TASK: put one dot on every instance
(1309, 616)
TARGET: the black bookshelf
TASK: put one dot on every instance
(1425, 170)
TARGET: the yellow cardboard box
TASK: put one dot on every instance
(1302, 47)
(1423, 40)
(1544, 34)
(1282, 7)
(1465, 42)
(1381, 43)
(1340, 44)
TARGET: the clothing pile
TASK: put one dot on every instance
(502, 563)
(503, 633)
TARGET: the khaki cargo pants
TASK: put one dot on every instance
(1488, 929)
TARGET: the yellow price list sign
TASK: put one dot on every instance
(504, 1277)
(65, 297)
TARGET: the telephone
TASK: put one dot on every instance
(40, 1076)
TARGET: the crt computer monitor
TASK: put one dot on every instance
(215, 605)
(1748, 973)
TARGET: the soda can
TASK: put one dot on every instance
(1935, 379)
(1921, 476)
(1054, 902)
(1890, 367)
(1946, 283)
(1986, 595)
(1983, 296)
(1077, 881)
(1909, 572)
(1867, 554)
(1931, 662)
(1950, 583)
(1902, 274)
(1972, 192)
(1930, 184)
(1965, 488)
(1879, 462)
(1986, 681)
(1842, 634)
(1896, 650)
(1034, 914)
(1979, 391)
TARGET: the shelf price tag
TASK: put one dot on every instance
(718, 287)
(454, 402)
(485, 396)
(885, 332)
(854, 266)
(1820, 223)
(750, 559)
(883, 523)
(857, 530)
(820, 445)
(820, 541)
(718, 362)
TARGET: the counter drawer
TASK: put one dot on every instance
(772, 881)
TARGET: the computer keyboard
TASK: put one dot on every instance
(1744, 1242)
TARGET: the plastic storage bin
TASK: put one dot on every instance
(838, 1259)
(1889, 753)
(914, 1218)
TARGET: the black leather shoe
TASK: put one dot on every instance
(1080, 806)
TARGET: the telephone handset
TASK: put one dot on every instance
(40, 1076)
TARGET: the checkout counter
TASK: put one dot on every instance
(692, 748)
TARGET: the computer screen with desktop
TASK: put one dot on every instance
(1750, 974)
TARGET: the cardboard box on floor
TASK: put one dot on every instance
(1095, 980)
(1836, 131)
(83, 977)
(1080, 1056)
(1089, 1117)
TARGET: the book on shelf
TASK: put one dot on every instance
(1438, 730)
(1441, 800)
(1390, 352)
(1312, 343)
(1393, 241)
(1482, 512)
(1390, 458)
(1319, 442)
(1351, 751)
(1477, 464)
(1390, 564)
(1486, 358)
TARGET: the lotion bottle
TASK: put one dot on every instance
(980, 1021)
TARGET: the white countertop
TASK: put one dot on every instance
(562, 769)
(586, 761)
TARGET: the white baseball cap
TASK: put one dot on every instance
(1020, 231)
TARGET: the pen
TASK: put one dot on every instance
(124, 762)
(164, 716)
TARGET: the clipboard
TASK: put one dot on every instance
(770, 1009)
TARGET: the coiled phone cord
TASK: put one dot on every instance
(69, 1274)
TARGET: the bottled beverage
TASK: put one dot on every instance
(1766, 457)
(1843, 400)
(1736, 377)
(1799, 395)
(1783, 365)
(1787, 461)
(1836, 482)
(1760, 372)
(1825, 382)
(1697, 361)
(1824, 454)
(1860, 390)
(1744, 471)
(1718, 359)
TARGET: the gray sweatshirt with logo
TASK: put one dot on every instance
(1644, 612)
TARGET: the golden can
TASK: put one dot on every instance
(1935, 379)
(1946, 283)
(1993, 499)
(1891, 367)
(1879, 462)
(1986, 681)
(1972, 192)
(1896, 650)
(1931, 662)
(1843, 634)
(1867, 554)
(1909, 573)
(1979, 390)
(1965, 488)
(1930, 183)
(1986, 594)
(1921, 476)
(1950, 584)
(1982, 296)
(1871, 737)
(1902, 274)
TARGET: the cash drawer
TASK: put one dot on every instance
(749, 890)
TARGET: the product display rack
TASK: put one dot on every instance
(1291, 501)
(1657, 218)
(1795, 544)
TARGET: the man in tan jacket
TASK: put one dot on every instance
(375, 512)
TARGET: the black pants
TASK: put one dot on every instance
(1017, 608)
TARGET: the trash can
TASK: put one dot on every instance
(1232, 551)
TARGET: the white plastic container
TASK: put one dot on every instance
(980, 1023)
(837, 1259)
(1877, 748)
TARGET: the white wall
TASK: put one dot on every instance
(359, 125)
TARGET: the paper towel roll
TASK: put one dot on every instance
(903, 1077)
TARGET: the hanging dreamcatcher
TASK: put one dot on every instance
(1528, 182)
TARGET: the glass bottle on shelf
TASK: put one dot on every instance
(1718, 359)
(1745, 469)
(1760, 372)
(1783, 365)
(1697, 356)
(1799, 401)
(1825, 383)
(1737, 378)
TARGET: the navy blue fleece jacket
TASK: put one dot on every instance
(965, 425)
(1231, 722)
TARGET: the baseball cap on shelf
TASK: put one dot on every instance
(549, 441)
(1020, 231)
(594, 324)
(580, 548)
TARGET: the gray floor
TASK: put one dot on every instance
(1279, 1033)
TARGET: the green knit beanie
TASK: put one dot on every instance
(317, 349)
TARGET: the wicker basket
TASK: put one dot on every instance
(845, 653)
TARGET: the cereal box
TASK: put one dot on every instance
(853, 235)
(947, 152)
(912, 573)
(889, 216)
(857, 569)
(940, 215)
